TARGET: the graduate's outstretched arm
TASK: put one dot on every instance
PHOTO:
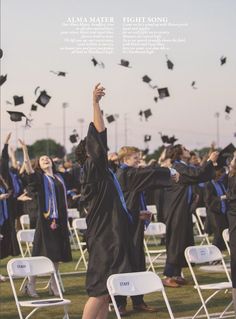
(27, 163)
(98, 120)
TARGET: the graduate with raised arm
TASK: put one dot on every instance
(108, 219)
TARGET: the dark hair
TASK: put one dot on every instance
(176, 152)
(80, 152)
(38, 168)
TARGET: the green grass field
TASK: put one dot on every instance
(184, 301)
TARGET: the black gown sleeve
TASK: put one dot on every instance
(96, 145)
(212, 201)
(5, 163)
(195, 175)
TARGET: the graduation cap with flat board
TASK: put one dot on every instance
(74, 137)
(168, 140)
(125, 63)
(147, 79)
(34, 107)
(147, 138)
(59, 73)
(43, 98)
(163, 92)
(193, 84)
(3, 79)
(1, 53)
(97, 63)
(223, 60)
(18, 100)
(225, 155)
(228, 109)
(170, 64)
(17, 117)
(110, 118)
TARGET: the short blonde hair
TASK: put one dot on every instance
(127, 151)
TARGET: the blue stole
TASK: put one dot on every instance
(17, 184)
(190, 192)
(220, 190)
(50, 196)
(120, 193)
(3, 208)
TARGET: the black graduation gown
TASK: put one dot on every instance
(107, 233)
(231, 198)
(133, 181)
(53, 244)
(179, 227)
(217, 219)
(8, 244)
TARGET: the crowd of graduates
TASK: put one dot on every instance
(112, 191)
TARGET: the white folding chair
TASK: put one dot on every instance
(200, 236)
(225, 235)
(72, 213)
(34, 266)
(155, 230)
(133, 284)
(80, 226)
(153, 210)
(205, 254)
(25, 221)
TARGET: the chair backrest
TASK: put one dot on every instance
(26, 235)
(73, 213)
(201, 211)
(29, 266)
(132, 284)
(24, 221)
(79, 223)
(155, 229)
(202, 254)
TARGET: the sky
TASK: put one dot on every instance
(32, 40)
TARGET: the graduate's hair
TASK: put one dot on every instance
(176, 152)
(232, 168)
(81, 152)
(37, 166)
(127, 151)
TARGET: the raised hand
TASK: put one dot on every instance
(8, 138)
(98, 93)
(214, 156)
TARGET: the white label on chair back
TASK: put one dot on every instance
(21, 268)
(126, 286)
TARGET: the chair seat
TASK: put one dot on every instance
(216, 286)
(44, 302)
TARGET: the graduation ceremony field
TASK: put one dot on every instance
(184, 301)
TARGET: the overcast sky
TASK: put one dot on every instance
(31, 39)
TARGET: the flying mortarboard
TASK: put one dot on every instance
(16, 116)
(147, 138)
(3, 79)
(147, 79)
(146, 151)
(193, 84)
(1, 53)
(34, 107)
(223, 60)
(110, 118)
(147, 113)
(124, 63)
(156, 99)
(225, 155)
(172, 140)
(43, 98)
(18, 100)
(169, 63)
(168, 140)
(228, 109)
(95, 63)
(163, 92)
(74, 137)
(59, 73)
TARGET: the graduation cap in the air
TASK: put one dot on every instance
(168, 140)
(3, 79)
(147, 113)
(18, 100)
(34, 107)
(228, 109)
(193, 84)
(156, 99)
(163, 92)
(145, 151)
(1, 53)
(74, 137)
(225, 155)
(110, 118)
(17, 117)
(147, 79)
(96, 62)
(59, 73)
(43, 98)
(170, 64)
(223, 60)
(124, 63)
(147, 138)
